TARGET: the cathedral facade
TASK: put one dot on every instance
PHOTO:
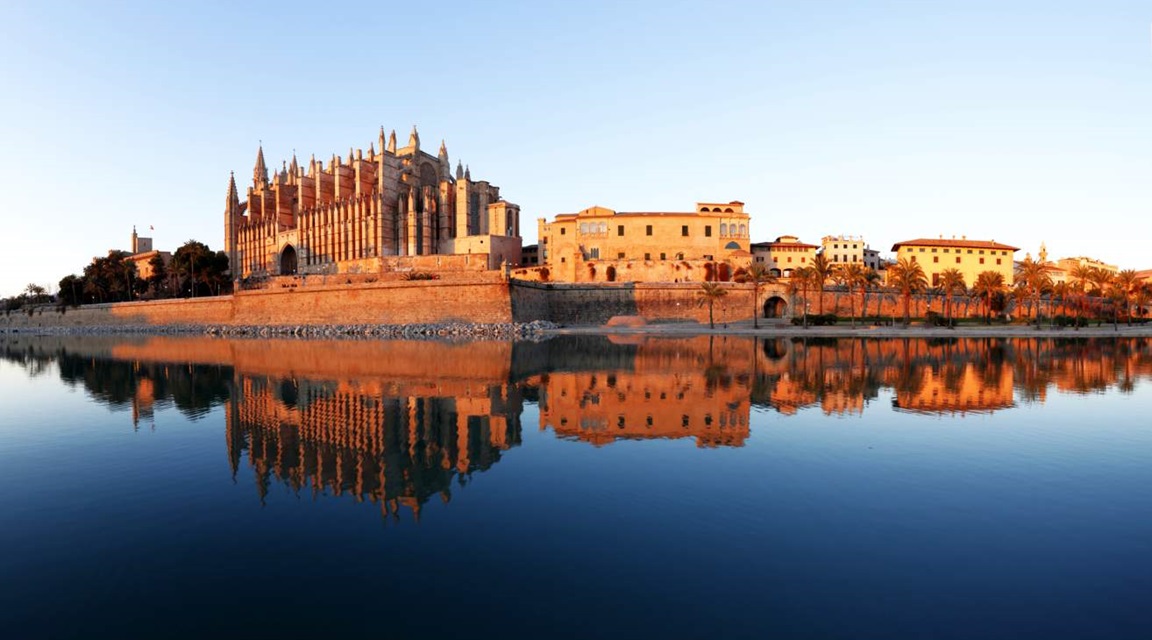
(392, 209)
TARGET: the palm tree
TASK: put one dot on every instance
(709, 293)
(758, 275)
(872, 280)
(1100, 280)
(908, 277)
(1032, 277)
(1060, 291)
(988, 285)
(1126, 283)
(853, 276)
(821, 270)
(801, 279)
(951, 281)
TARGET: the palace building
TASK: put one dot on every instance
(970, 257)
(370, 212)
(784, 255)
(600, 244)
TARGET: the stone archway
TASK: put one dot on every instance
(775, 307)
(610, 273)
(288, 261)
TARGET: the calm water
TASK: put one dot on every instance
(576, 488)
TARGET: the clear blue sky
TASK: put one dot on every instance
(1012, 121)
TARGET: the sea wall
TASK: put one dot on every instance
(380, 303)
(490, 300)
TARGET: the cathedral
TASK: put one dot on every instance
(389, 210)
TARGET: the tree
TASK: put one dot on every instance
(951, 282)
(872, 281)
(907, 276)
(988, 285)
(71, 290)
(820, 271)
(1126, 284)
(200, 270)
(158, 280)
(709, 293)
(799, 283)
(1032, 278)
(853, 276)
(757, 275)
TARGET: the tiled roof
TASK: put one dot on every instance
(966, 244)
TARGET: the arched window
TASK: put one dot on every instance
(743, 230)
(583, 227)
(723, 229)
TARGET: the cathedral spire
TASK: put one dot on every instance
(443, 149)
(459, 170)
(295, 168)
(467, 173)
(260, 171)
(232, 202)
(392, 142)
(414, 139)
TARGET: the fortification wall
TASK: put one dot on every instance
(482, 299)
(595, 304)
(380, 303)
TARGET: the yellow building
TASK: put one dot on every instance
(600, 244)
(784, 255)
(970, 257)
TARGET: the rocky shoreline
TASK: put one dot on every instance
(447, 331)
(542, 330)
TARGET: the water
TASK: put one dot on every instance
(578, 487)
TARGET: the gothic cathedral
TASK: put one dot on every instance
(367, 213)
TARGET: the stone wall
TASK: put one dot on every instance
(485, 299)
(594, 304)
(380, 303)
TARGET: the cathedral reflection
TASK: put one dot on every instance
(356, 438)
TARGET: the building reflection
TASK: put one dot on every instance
(358, 438)
(694, 388)
(401, 423)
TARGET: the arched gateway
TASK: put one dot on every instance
(775, 307)
(288, 261)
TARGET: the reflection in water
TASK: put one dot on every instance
(396, 423)
(355, 437)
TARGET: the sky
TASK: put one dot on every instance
(1019, 122)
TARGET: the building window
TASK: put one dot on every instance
(648, 230)
(997, 260)
(684, 230)
(981, 260)
(620, 230)
(620, 256)
(662, 256)
(563, 231)
(648, 256)
(708, 231)
(594, 253)
(914, 257)
(935, 258)
(921, 249)
(957, 259)
(933, 249)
